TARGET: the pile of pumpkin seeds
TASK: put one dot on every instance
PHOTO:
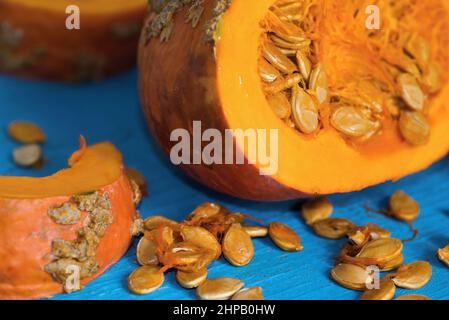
(296, 86)
(370, 248)
(190, 246)
(29, 154)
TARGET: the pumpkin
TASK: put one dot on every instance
(35, 42)
(353, 105)
(72, 225)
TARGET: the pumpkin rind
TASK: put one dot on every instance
(188, 78)
(27, 230)
(34, 41)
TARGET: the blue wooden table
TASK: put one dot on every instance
(110, 111)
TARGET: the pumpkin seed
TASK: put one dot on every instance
(253, 293)
(202, 238)
(219, 288)
(411, 91)
(285, 30)
(304, 110)
(357, 236)
(237, 246)
(191, 280)
(316, 209)
(186, 257)
(154, 222)
(145, 279)
(304, 64)
(412, 297)
(278, 59)
(351, 122)
(26, 132)
(288, 52)
(418, 47)
(377, 232)
(256, 231)
(280, 105)
(382, 250)
(28, 155)
(413, 275)
(414, 128)
(333, 228)
(431, 78)
(204, 211)
(284, 237)
(385, 292)
(282, 43)
(318, 83)
(163, 235)
(351, 276)
(393, 263)
(403, 207)
(443, 255)
(146, 252)
(267, 72)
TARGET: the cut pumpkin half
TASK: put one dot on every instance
(60, 232)
(354, 104)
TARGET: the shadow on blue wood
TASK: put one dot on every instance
(110, 111)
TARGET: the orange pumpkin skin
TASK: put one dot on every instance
(48, 50)
(27, 233)
(185, 79)
(178, 98)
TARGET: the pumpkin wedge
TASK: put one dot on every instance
(35, 42)
(67, 227)
(354, 106)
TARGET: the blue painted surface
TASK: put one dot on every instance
(110, 111)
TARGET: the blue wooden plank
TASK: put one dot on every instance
(110, 111)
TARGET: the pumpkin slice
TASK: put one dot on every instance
(35, 42)
(79, 218)
(373, 124)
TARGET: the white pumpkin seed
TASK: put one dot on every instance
(351, 276)
(316, 209)
(219, 288)
(191, 280)
(413, 275)
(414, 128)
(256, 231)
(28, 155)
(253, 293)
(411, 91)
(304, 110)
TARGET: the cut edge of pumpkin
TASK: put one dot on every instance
(96, 166)
(324, 163)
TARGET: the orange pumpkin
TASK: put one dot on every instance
(34, 40)
(35, 224)
(210, 72)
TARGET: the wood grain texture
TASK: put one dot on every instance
(110, 111)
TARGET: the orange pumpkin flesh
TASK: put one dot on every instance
(27, 231)
(105, 43)
(186, 79)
